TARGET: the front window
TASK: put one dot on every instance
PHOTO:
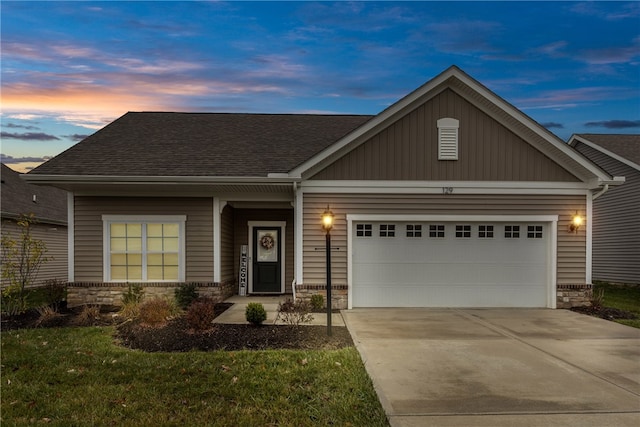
(144, 248)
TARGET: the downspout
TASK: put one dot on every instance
(601, 192)
(295, 195)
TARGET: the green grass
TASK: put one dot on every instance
(77, 376)
(621, 297)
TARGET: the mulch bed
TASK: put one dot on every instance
(175, 336)
(608, 313)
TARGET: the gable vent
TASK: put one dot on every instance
(448, 139)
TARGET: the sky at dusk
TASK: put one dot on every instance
(70, 68)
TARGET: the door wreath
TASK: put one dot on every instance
(267, 241)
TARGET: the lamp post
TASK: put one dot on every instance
(327, 225)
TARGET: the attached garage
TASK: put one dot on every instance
(452, 262)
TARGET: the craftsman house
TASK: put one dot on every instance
(48, 207)
(616, 215)
(451, 197)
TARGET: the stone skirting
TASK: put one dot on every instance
(339, 294)
(568, 295)
(100, 293)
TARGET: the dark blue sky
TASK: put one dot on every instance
(68, 68)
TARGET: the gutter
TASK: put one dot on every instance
(106, 179)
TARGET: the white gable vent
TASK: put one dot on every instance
(448, 139)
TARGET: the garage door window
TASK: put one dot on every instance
(511, 231)
(463, 231)
(534, 231)
(414, 230)
(485, 231)
(436, 230)
(387, 230)
(364, 230)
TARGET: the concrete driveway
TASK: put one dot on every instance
(499, 367)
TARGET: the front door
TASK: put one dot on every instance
(267, 260)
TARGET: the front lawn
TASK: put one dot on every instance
(622, 297)
(78, 376)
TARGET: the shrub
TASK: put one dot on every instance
(129, 311)
(255, 313)
(134, 294)
(201, 313)
(156, 311)
(54, 292)
(317, 302)
(13, 301)
(46, 315)
(294, 313)
(185, 294)
(88, 316)
(597, 299)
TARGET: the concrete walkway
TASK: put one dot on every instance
(236, 313)
(499, 367)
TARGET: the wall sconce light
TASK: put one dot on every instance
(576, 222)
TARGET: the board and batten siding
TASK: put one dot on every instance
(408, 150)
(241, 225)
(88, 231)
(55, 238)
(571, 263)
(616, 223)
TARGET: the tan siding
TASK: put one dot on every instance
(88, 231)
(55, 239)
(616, 223)
(241, 219)
(408, 150)
(227, 269)
(571, 247)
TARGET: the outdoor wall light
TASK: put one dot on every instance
(576, 222)
(327, 225)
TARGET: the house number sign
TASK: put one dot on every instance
(447, 190)
(242, 280)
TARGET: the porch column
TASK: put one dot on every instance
(70, 237)
(298, 235)
(218, 206)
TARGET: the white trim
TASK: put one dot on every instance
(283, 246)
(589, 242)
(71, 237)
(143, 219)
(299, 236)
(217, 244)
(603, 150)
(552, 251)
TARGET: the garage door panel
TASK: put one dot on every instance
(450, 272)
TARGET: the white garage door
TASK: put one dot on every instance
(443, 264)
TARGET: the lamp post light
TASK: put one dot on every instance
(327, 225)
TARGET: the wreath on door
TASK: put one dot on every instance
(267, 241)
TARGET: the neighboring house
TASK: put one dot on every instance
(616, 215)
(451, 197)
(49, 207)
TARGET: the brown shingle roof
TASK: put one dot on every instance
(627, 146)
(17, 199)
(202, 144)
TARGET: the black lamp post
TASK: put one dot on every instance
(327, 225)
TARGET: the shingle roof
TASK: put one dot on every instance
(202, 144)
(627, 146)
(50, 204)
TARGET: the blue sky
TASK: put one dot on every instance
(69, 68)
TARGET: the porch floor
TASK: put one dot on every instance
(236, 313)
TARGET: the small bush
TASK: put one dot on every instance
(597, 299)
(55, 292)
(294, 313)
(88, 316)
(46, 315)
(317, 302)
(156, 312)
(185, 294)
(201, 313)
(13, 301)
(255, 313)
(134, 294)
(129, 311)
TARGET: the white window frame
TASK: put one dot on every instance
(448, 138)
(107, 220)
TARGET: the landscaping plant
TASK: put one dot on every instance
(88, 315)
(294, 313)
(157, 311)
(255, 313)
(317, 302)
(185, 294)
(201, 313)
